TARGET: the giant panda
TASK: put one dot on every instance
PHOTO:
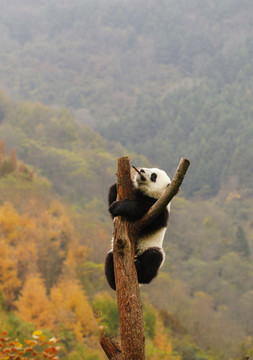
(149, 185)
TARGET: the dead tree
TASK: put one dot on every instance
(127, 288)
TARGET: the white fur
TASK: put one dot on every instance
(148, 187)
(149, 241)
(155, 190)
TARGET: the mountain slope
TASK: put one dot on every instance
(167, 79)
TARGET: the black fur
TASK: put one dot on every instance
(148, 263)
(112, 194)
(135, 209)
(109, 270)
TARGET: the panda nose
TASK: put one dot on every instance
(140, 173)
(142, 177)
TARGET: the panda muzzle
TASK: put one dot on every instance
(142, 177)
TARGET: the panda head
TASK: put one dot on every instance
(151, 182)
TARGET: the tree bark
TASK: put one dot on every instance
(127, 287)
(111, 348)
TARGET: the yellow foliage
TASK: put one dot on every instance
(27, 257)
(56, 231)
(71, 308)
(208, 222)
(33, 304)
(55, 224)
(160, 339)
(22, 233)
(75, 257)
(36, 334)
(232, 196)
(162, 344)
(12, 224)
(9, 282)
(9, 220)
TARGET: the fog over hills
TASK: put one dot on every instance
(90, 80)
(165, 78)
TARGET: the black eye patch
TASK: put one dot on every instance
(142, 171)
(153, 177)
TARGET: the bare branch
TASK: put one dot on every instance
(110, 347)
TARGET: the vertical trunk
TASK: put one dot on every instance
(128, 294)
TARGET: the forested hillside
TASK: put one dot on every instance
(165, 78)
(90, 80)
(53, 243)
(51, 229)
(77, 161)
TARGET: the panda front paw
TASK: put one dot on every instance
(120, 208)
(114, 209)
(123, 208)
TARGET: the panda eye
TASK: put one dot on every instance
(153, 177)
(142, 171)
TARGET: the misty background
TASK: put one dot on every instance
(85, 82)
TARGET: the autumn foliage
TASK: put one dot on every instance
(36, 348)
(33, 304)
(48, 277)
(9, 281)
(70, 307)
(39, 266)
(9, 164)
(40, 255)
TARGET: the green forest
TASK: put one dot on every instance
(83, 83)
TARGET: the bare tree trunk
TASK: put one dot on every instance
(128, 293)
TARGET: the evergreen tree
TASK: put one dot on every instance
(241, 244)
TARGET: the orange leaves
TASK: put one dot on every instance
(31, 342)
(9, 164)
(51, 352)
(35, 349)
